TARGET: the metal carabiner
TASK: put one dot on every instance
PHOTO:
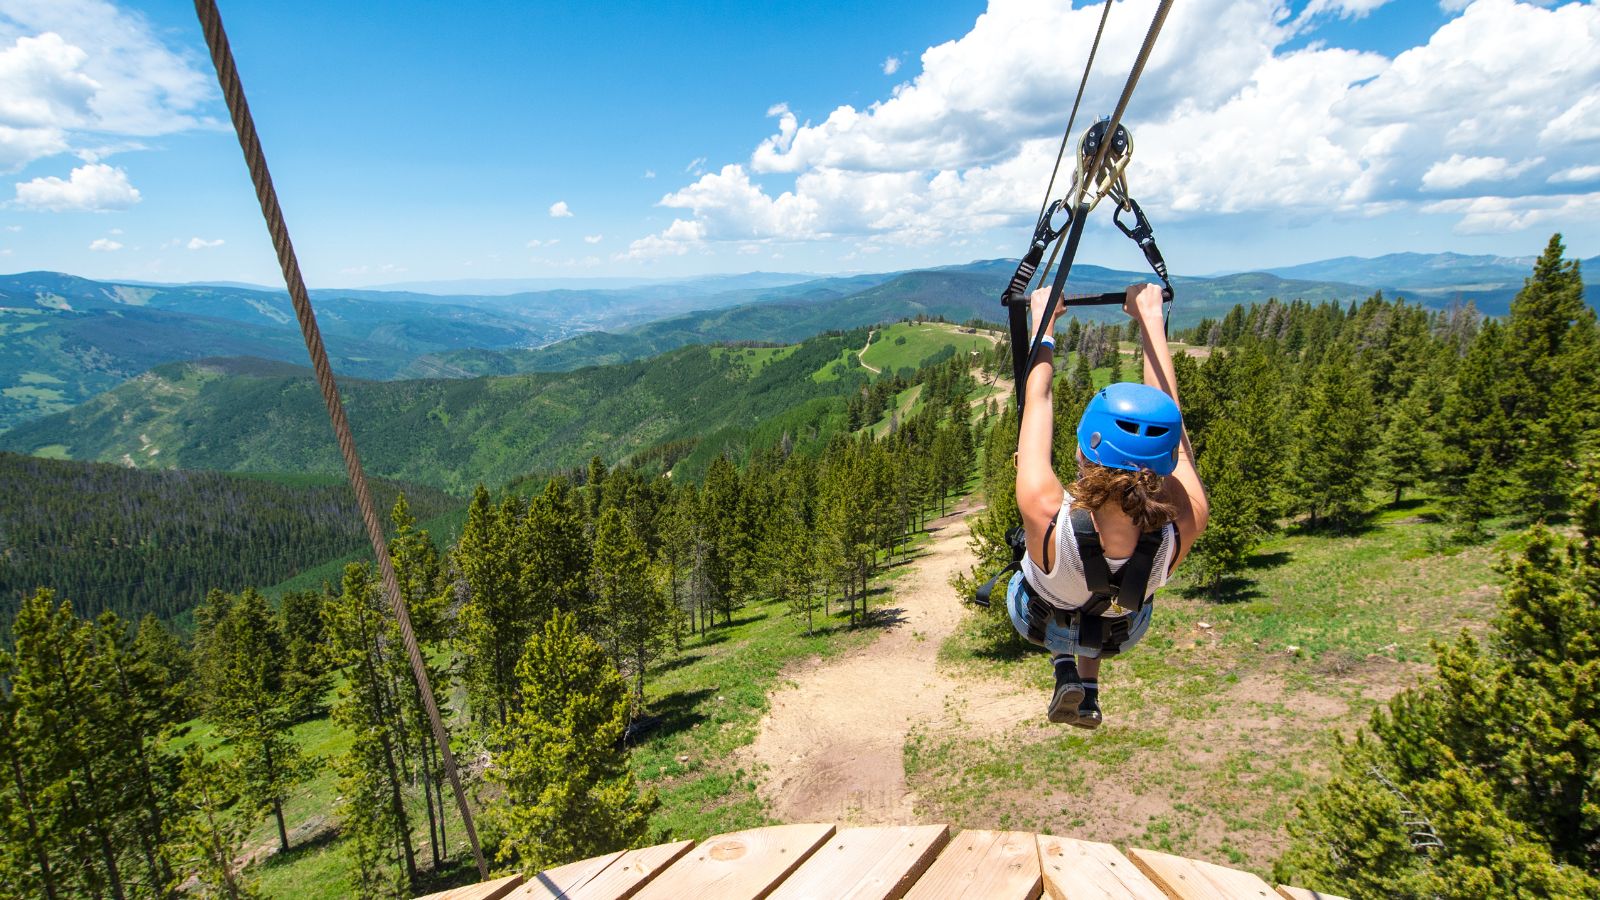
(1043, 233)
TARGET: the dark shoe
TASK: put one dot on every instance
(1068, 696)
(1088, 714)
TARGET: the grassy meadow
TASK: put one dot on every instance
(1230, 708)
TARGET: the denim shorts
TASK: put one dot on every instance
(1062, 639)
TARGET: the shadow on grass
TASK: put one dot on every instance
(452, 873)
(677, 662)
(671, 714)
(1358, 526)
(904, 561)
(307, 847)
(1268, 560)
(1229, 590)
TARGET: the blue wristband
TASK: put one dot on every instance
(1048, 341)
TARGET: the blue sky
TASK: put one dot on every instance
(416, 141)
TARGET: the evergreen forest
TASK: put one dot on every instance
(275, 747)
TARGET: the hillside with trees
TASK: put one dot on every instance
(604, 640)
(134, 542)
(253, 415)
(550, 614)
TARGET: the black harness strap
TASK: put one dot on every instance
(1015, 297)
(1106, 588)
(1017, 539)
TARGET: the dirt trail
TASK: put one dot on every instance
(861, 355)
(832, 747)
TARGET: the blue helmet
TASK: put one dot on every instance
(1131, 426)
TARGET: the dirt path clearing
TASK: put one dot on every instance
(832, 747)
(861, 355)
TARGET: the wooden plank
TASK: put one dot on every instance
(996, 865)
(1088, 870)
(553, 884)
(1187, 879)
(740, 866)
(487, 890)
(634, 868)
(865, 864)
(1294, 893)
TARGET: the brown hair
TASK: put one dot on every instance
(1141, 494)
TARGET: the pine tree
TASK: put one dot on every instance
(306, 676)
(1334, 436)
(1550, 381)
(554, 554)
(1500, 755)
(496, 618)
(26, 844)
(634, 617)
(251, 705)
(727, 563)
(569, 793)
(1408, 446)
(1237, 401)
(419, 574)
(86, 766)
(362, 638)
(210, 832)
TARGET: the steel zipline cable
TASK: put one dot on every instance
(1083, 202)
(1066, 136)
(250, 143)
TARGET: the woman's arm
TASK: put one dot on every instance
(1194, 508)
(1039, 492)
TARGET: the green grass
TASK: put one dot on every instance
(1225, 714)
(39, 395)
(38, 378)
(711, 700)
(54, 451)
(907, 344)
(756, 358)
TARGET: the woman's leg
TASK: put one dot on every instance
(1089, 707)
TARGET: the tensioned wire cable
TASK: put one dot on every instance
(1066, 136)
(1082, 206)
(255, 159)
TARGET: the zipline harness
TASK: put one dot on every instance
(1102, 161)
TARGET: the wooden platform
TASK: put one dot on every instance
(918, 862)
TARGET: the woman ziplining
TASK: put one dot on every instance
(1088, 560)
(1097, 552)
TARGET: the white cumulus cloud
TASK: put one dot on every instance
(1227, 118)
(560, 210)
(84, 76)
(94, 188)
(1576, 174)
(104, 245)
(891, 65)
(593, 238)
(1458, 171)
(196, 243)
(1496, 215)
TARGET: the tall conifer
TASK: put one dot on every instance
(569, 793)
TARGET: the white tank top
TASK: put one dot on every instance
(1065, 587)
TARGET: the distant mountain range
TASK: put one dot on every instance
(64, 339)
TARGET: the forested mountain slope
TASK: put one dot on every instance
(67, 338)
(132, 541)
(955, 293)
(257, 415)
